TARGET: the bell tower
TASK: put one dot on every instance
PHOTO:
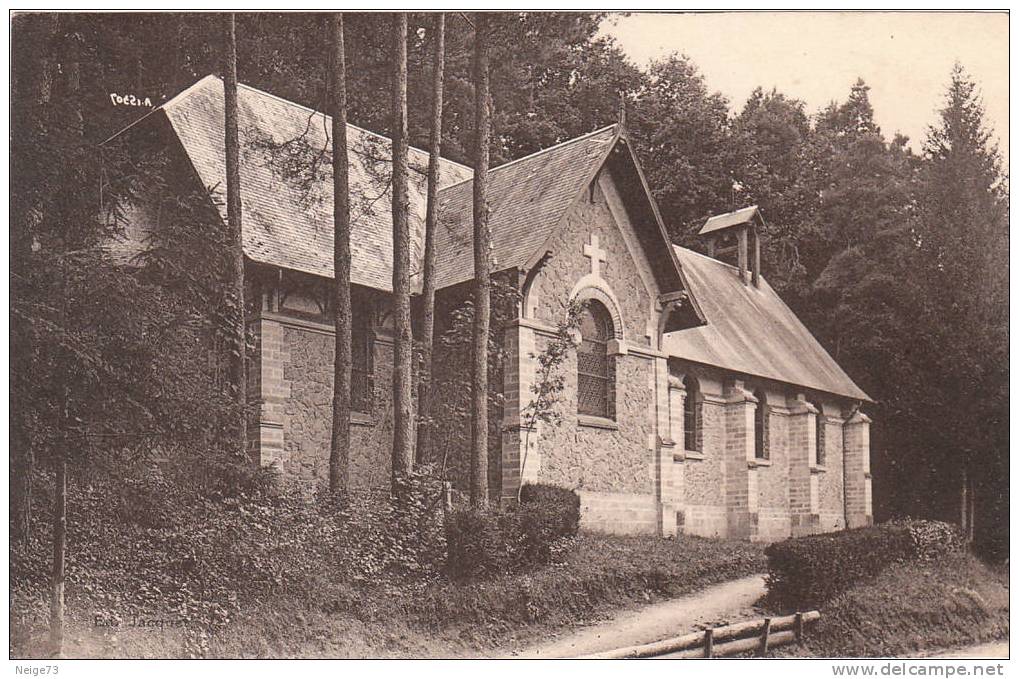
(734, 238)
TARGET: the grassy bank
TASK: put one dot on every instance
(914, 608)
(431, 617)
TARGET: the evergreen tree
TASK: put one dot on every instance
(107, 368)
(963, 261)
(770, 143)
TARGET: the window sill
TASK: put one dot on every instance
(362, 419)
(693, 455)
(758, 462)
(818, 469)
(596, 422)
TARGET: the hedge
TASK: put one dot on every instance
(808, 571)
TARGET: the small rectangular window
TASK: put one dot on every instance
(819, 453)
(361, 357)
(761, 447)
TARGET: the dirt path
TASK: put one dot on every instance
(995, 649)
(717, 605)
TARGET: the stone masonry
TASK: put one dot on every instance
(633, 473)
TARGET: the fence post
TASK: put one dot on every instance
(764, 638)
(709, 643)
(798, 627)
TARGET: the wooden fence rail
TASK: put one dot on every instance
(759, 635)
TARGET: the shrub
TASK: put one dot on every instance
(950, 602)
(562, 506)
(806, 572)
(475, 544)
(195, 549)
(487, 542)
(933, 539)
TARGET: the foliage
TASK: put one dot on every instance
(194, 546)
(485, 542)
(962, 237)
(549, 379)
(896, 262)
(806, 572)
(451, 386)
(439, 618)
(681, 132)
(561, 505)
(915, 607)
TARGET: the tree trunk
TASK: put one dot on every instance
(178, 80)
(482, 283)
(59, 551)
(403, 424)
(77, 130)
(971, 532)
(339, 450)
(431, 220)
(31, 95)
(964, 503)
(23, 458)
(238, 348)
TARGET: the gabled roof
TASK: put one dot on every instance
(288, 225)
(287, 220)
(750, 330)
(527, 199)
(729, 219)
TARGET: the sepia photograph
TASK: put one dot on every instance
(509, 335)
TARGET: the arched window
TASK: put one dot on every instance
(692, 414)
(595, 370)
(761, 442)
(819, 422)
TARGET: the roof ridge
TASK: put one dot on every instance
(532, 155)
(732, 212)
(553, 147)
(175, 99)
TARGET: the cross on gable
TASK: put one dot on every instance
(595, 253)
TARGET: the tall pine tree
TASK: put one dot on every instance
(431, 222)
(238, 343)
(963, 261)
(482, 274)
(339, 446)
(403, 424)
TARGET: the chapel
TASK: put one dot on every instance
(695, 401)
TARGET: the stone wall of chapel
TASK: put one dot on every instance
(592, 216)
(594, 458)
(307, 419)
